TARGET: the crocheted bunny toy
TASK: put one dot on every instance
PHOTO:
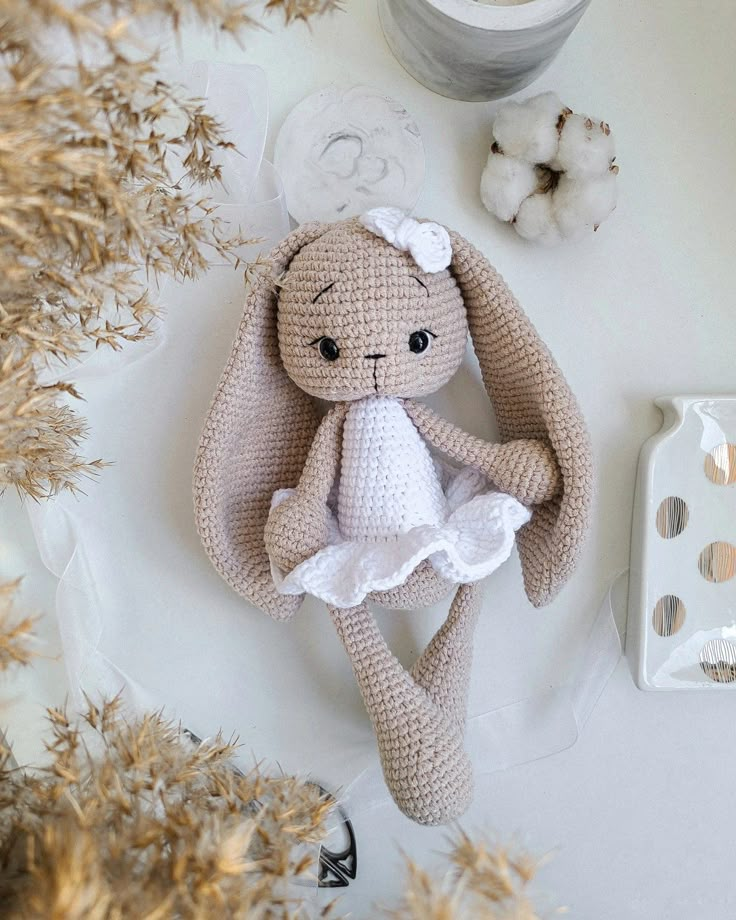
(361, 505)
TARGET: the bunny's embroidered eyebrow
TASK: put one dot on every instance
(323, 291)
(421, 282)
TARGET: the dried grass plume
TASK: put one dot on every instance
(132, 819)
(16, 633)
(482, 883)
(94, 146)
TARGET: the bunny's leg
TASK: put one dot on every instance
(443, 669)
(424, 763)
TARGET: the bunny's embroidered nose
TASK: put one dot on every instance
(374, 357)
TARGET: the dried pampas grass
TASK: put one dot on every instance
(303, 9)
(93, 151)
(135, 820)
(483, 883)
(16, 633)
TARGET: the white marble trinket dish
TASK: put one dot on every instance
(342, 151)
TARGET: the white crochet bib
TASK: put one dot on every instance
(388, 480)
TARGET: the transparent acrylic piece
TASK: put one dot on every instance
(235, 94)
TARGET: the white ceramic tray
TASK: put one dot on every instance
(682, 595)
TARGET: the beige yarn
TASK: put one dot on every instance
(255, 440)
(419, 717)
(531, 399)
(263, 433)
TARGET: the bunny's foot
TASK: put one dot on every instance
(424, 762)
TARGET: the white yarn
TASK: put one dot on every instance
(388, 481)
(427, 242)
(549, 172)
(392, 514)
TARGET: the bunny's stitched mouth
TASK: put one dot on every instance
(375, 358)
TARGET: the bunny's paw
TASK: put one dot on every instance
(296, 529)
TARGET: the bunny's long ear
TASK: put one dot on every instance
(531, 399)
(255, 441)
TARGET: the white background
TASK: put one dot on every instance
(637, 813)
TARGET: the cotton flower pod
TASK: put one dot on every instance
(550, 172)
(505, 183)
(536, 220)
(529, 129)
(586, 148)
(583, 204)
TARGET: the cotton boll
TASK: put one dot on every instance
(536, 220)
(550, 172)
(585, 147)
(582, 204)
(529, 129)
(505, 183)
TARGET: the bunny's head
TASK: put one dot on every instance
(357, 317)
(381, 305)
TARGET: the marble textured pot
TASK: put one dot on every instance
(474, 50)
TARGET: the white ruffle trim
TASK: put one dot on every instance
(474, 541)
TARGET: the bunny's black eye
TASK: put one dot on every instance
(327, 348)
(420, 341)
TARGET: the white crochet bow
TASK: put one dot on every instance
(427, 243)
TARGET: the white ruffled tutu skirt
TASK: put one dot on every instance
(475, 538)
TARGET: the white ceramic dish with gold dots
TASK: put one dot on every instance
(682, 595)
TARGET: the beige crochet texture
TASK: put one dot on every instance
(263, 433)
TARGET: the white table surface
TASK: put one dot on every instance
(636, 813)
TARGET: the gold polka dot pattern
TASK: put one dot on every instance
(672, 517)
(668, 616)
(718, 660)
(720, 465)
(717, 562)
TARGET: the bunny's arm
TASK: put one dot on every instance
(525, 468)
(297, 527)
